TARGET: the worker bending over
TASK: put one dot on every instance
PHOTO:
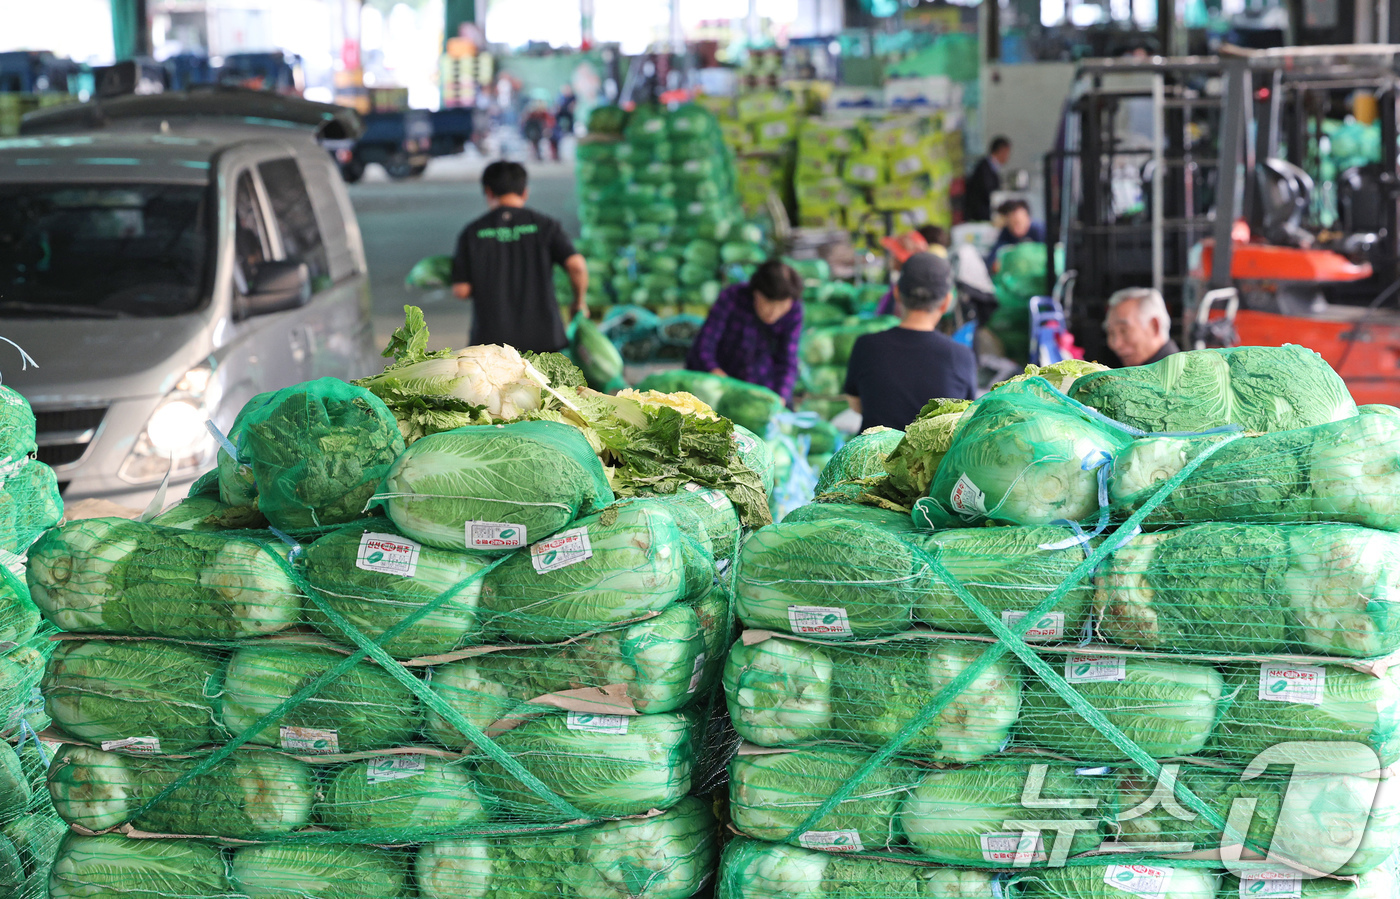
(1139, 327)
(753, 330)
(893, 373)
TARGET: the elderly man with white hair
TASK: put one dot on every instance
(1139, 327)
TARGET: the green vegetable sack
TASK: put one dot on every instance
(295, 871)
(395, 792)
(863, 456)
(429, 272)
(1258, 388)
(597, 357)
(1094, 882)
(113, 576)
(108, 867)
(752, 869)
(783, 692)
(38, 505)
(493, 490)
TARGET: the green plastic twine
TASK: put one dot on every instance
(372, 649)
(1009, 640)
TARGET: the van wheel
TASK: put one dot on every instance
(398, 167)
(352, 171)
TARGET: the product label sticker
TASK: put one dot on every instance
(909, 165)
(395, 767)
(309, 739)
(1095, 669)
(598, 724)
(819, 621)
(776, 130)
(746, 443)
(966, 498)
(653, 125)
(562, 550)
(697, 673)
(495, 535)
(1271, 885)
(1147, 881)
(1013, 848)
(832, 840)
(134, 745)
(713, 498)
(387, 554)
(1302, 684)
(691, 166)
(1051, 625)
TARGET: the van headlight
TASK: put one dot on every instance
(175, 438)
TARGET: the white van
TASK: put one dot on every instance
(164, 259)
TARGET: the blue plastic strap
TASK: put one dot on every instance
(223, 440)
(26, 731)
(1101, 462)
(296, 548)
(25, 360)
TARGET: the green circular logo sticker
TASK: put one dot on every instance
(1278, 687)
(1257, 886)
(507, 533)
(1046, 622)
(829, 619)
(375, 557)
(1082, 669)
(1123, 876)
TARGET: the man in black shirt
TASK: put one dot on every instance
(985, 180)
(505, 264)
(893, 373)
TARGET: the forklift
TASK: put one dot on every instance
(1218, 206)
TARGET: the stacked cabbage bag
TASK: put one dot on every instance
(661, 220)
(29, 503)
(1095, 689)
(490, 683)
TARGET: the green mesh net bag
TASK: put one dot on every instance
(489, 490)
(755, 453)
(30, 830)
(862, 456)
(38, 505)
(1258, 388)
(17, 437)
(751, 869)
(317, 452)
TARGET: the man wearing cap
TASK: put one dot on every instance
(930, 238)
(893, 373)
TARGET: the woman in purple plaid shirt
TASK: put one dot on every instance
(753, 329)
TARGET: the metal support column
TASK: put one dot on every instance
(1159, 164)
(131, 29)
(1239, 106)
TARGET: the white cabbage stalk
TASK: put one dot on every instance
(779, 871)
(1146, 463)
(953, 883)
(1355, 474)
(488, 375)
(454, 869)
(475, 696)
(779, 691)
(1343, 588)
(71, 581)
(1124, 602)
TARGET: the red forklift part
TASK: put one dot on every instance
(1263, 262)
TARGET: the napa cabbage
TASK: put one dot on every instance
(1340, 588)
(756, 455)
(492, 489)
(401, 791)
(250, 793)
(598, 764)
(827, 509)
(296, 871)
(208, 513)
(19, 617)
(113, 576)
(1166, 708)
(99, 691)
(863, 456)
(36, 838)
(616, 566)
(782, 692)
(770, 795)
(1259, 388)
(666, 856)
(364, 708)
(14, 783)
(376, 593)
(961, 815)
(753, 869)
(1095, 882)
(105, 867)
(834, 579)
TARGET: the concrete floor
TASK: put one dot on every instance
(403, 221)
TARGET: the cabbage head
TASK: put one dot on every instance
(113, 576)
(208, 513)
(662, 663)
(99, 691)
(1339, 589)
(36, 838)
(782, 692)
(753, 869)
(536, 476)
(248, 794)
(1025, 456)
(1167, 708)
(595, 767)
(401, 791)
(107, 867)
(19, 617)
(619, 565)
(667, 856)
(1353, 707)
(362, 709)
(296, 871)
(861, 577)
(1260, 388)
(827, 508)
(772, 794)
(756, 455)
(1089, 882)
(1354, 470)
(1379, 883)
(748, 405)
(38, 505)
(716, 514)
(1008, 571)
(21, 670)
(374, 595)
(15, 791)
(863, 456)
(949, 813)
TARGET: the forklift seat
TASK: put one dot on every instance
(1283, 196)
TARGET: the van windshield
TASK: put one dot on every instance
(102, 250)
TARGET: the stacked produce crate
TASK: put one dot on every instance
(660, 218)
(1091, 709)
(29, 503)
(494, 683)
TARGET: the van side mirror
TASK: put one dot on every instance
(275, 286)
